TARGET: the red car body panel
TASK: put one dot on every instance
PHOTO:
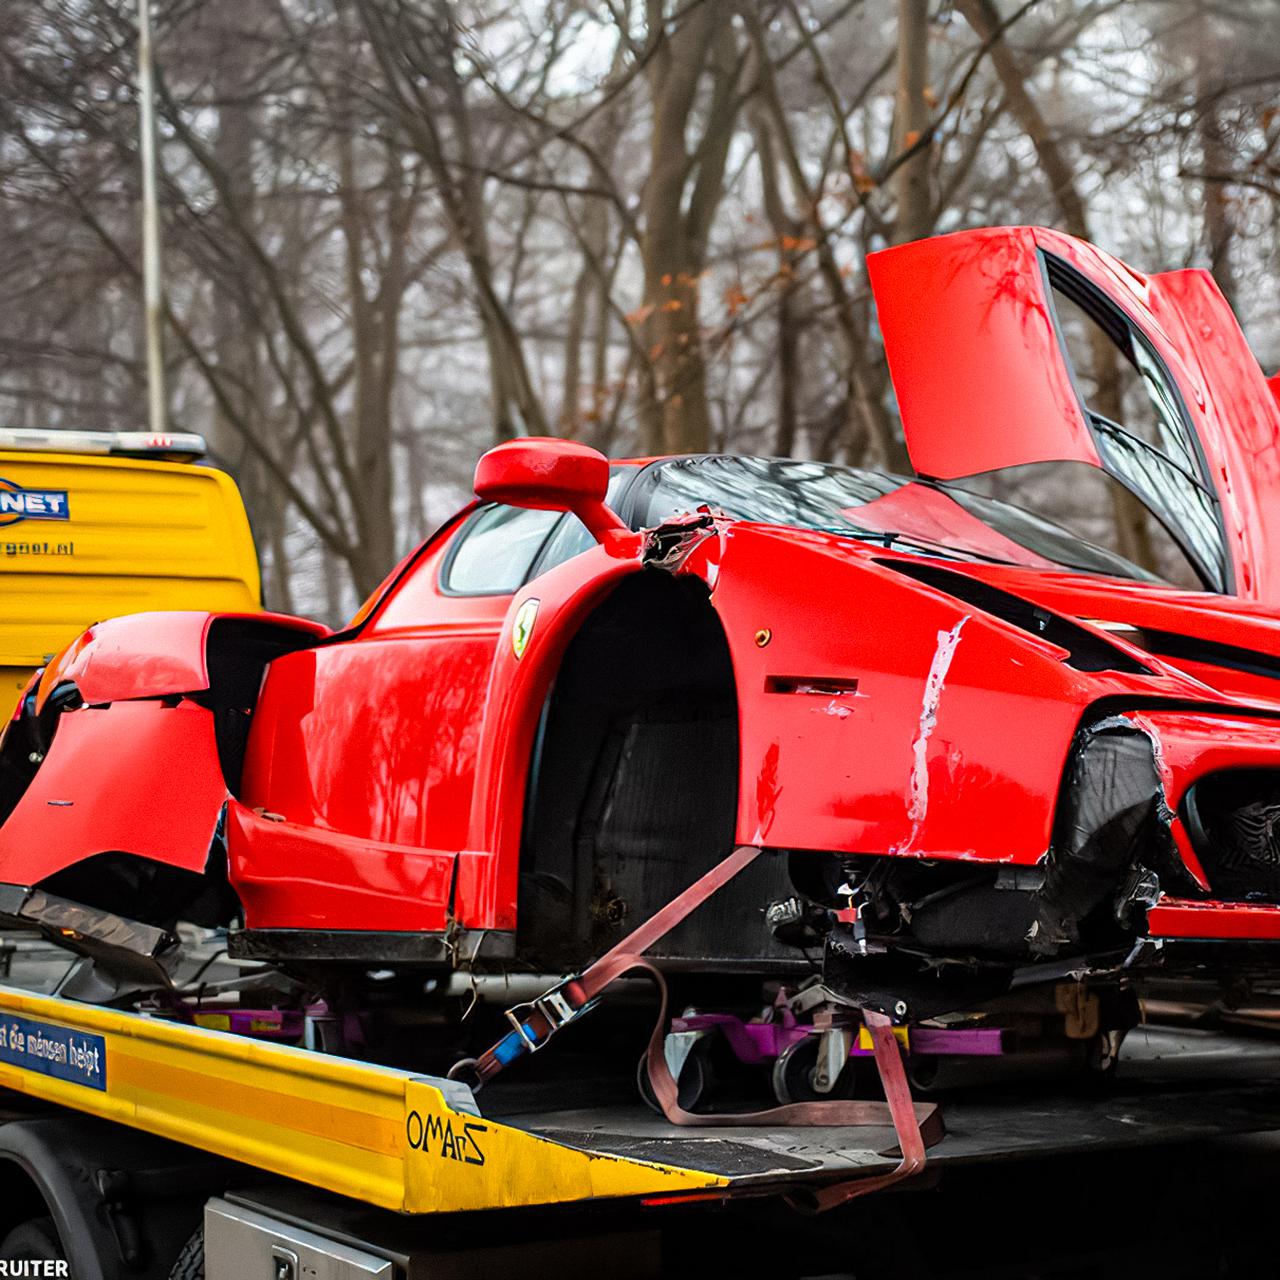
(141, 655)
(982, 380)
(820, 772)
(159, 760)
(489, 867)
(149, 655)
(138, 739)
(1239, 922)
(387, 767)
(946, 306)
(290, 877)
(1238, 421)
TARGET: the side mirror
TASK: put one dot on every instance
(550, 475)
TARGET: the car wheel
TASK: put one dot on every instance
(190, 1263)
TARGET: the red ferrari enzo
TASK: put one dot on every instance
(976, 751)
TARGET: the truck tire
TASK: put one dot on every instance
(190, 1263)
(35, 1240)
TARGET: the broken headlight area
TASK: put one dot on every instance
(1233, 819)
(1112, 851)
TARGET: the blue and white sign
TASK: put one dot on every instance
(17, 503)
(54, 1051)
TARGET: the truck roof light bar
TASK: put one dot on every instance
(176, 446)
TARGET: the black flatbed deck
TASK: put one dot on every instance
(1172, 1086)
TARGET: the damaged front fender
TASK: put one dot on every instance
(1113, 821)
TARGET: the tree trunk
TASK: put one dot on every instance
(683, 190)
(1217, 158)
(914, 218)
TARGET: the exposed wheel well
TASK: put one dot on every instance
(633, 785)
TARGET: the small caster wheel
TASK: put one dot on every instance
(793, 1074)
(1103, 1056)
(692, 1088)
(1099, 1063)
(923, 1074)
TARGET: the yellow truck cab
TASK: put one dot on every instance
(94, 524)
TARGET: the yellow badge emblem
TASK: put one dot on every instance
(522, 627)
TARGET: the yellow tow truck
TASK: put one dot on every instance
(148, 1143)
(94, 524)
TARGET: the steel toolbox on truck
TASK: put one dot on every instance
(96, 524)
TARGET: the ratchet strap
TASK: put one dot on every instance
(917, 1125)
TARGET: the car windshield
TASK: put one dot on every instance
(888, 510)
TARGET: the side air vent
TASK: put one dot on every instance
(1210, 652)
(1085, 651)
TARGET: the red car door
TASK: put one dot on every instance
(362, 757)
(974, 333)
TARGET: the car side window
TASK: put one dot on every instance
(495, 551)
(572, 538)
(1138, 421)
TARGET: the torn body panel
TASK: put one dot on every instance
(976, 310)
(1112, 823)
(139, 731)
(158, 761)
(154, 655)
(941, 733)
(132, 952)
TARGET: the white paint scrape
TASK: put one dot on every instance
(948, 642)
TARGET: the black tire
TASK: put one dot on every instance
(190, 1263)
(693, 1087)
(33, 1241)
(793, 1074)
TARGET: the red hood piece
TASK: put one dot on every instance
(983, 381)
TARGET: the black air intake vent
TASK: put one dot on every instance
(1085, 650)
(1233, 818)
(1210, 652)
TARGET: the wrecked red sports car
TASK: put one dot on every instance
(976, 750)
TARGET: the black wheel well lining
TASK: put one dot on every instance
(633, 782)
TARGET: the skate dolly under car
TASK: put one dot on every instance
(812, 1044)
(916, 1125)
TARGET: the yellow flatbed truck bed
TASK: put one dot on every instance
(285, 1126)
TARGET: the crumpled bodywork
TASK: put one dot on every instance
(949, 743)
(134, 759)
(1112, 820)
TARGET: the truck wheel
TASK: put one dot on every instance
(33, 1241)
(190, 1263)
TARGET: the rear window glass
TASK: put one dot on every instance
(1138, 422)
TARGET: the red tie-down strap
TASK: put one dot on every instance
(916, 1125)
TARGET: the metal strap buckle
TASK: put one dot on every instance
(516, 1015)
(555, 1010)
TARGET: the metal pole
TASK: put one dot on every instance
(152, 286)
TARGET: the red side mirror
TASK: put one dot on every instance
(549, 475)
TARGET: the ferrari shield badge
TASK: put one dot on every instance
(522, 627)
